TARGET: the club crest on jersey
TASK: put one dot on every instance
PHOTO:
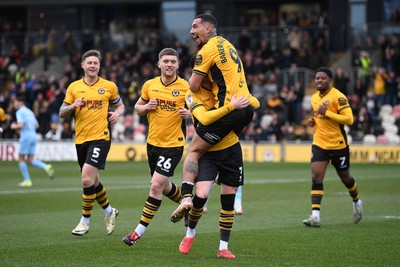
(326, 102)
(199, 59)
(175, 92)
(101, 91)
(342, 101)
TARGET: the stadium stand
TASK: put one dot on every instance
(276, 65)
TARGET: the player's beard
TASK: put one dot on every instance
(169, 73)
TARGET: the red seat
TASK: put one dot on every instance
(382, 139)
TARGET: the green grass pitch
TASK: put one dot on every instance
(36, 222)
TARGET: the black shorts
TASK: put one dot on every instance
(234, 121)
(340, 159)
(164, 160)
(93, 153)
(226, 163)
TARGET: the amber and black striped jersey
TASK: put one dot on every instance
(166, 127)
(199, 103)
(91, 120)
(219, 60)
(330, 133)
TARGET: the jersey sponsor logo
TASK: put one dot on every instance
(175, 92)
(342, 101)
(168, 105)
(199, 59)
(101, 91)
(94, 104)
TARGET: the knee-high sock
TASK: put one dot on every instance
(226, 216)
(24, 171)
(101, 196)
(353, 190)
(150, 209)
(317, 192)
(102, 199)
(88, 198)
(174, 194)
(197, 211)
(39, 164)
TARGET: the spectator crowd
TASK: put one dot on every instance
(129, 56)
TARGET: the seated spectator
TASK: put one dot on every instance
(53, 134)
(341, 80)
(271, 85)
(139, 134)
(370, 105)
(361, 125)
(258, 87)
(394, 15)
(128, 124)
(67, 132)
(391, 84)
(275, 131)
(274, 104)
(294, 38)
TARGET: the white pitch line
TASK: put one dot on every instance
(55, 190)
(391, 217)
(60, 190)
(247, 181)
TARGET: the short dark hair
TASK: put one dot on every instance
(91, 53)
(327, 70)
(21, 98)
(168, 51)
(208, 18)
